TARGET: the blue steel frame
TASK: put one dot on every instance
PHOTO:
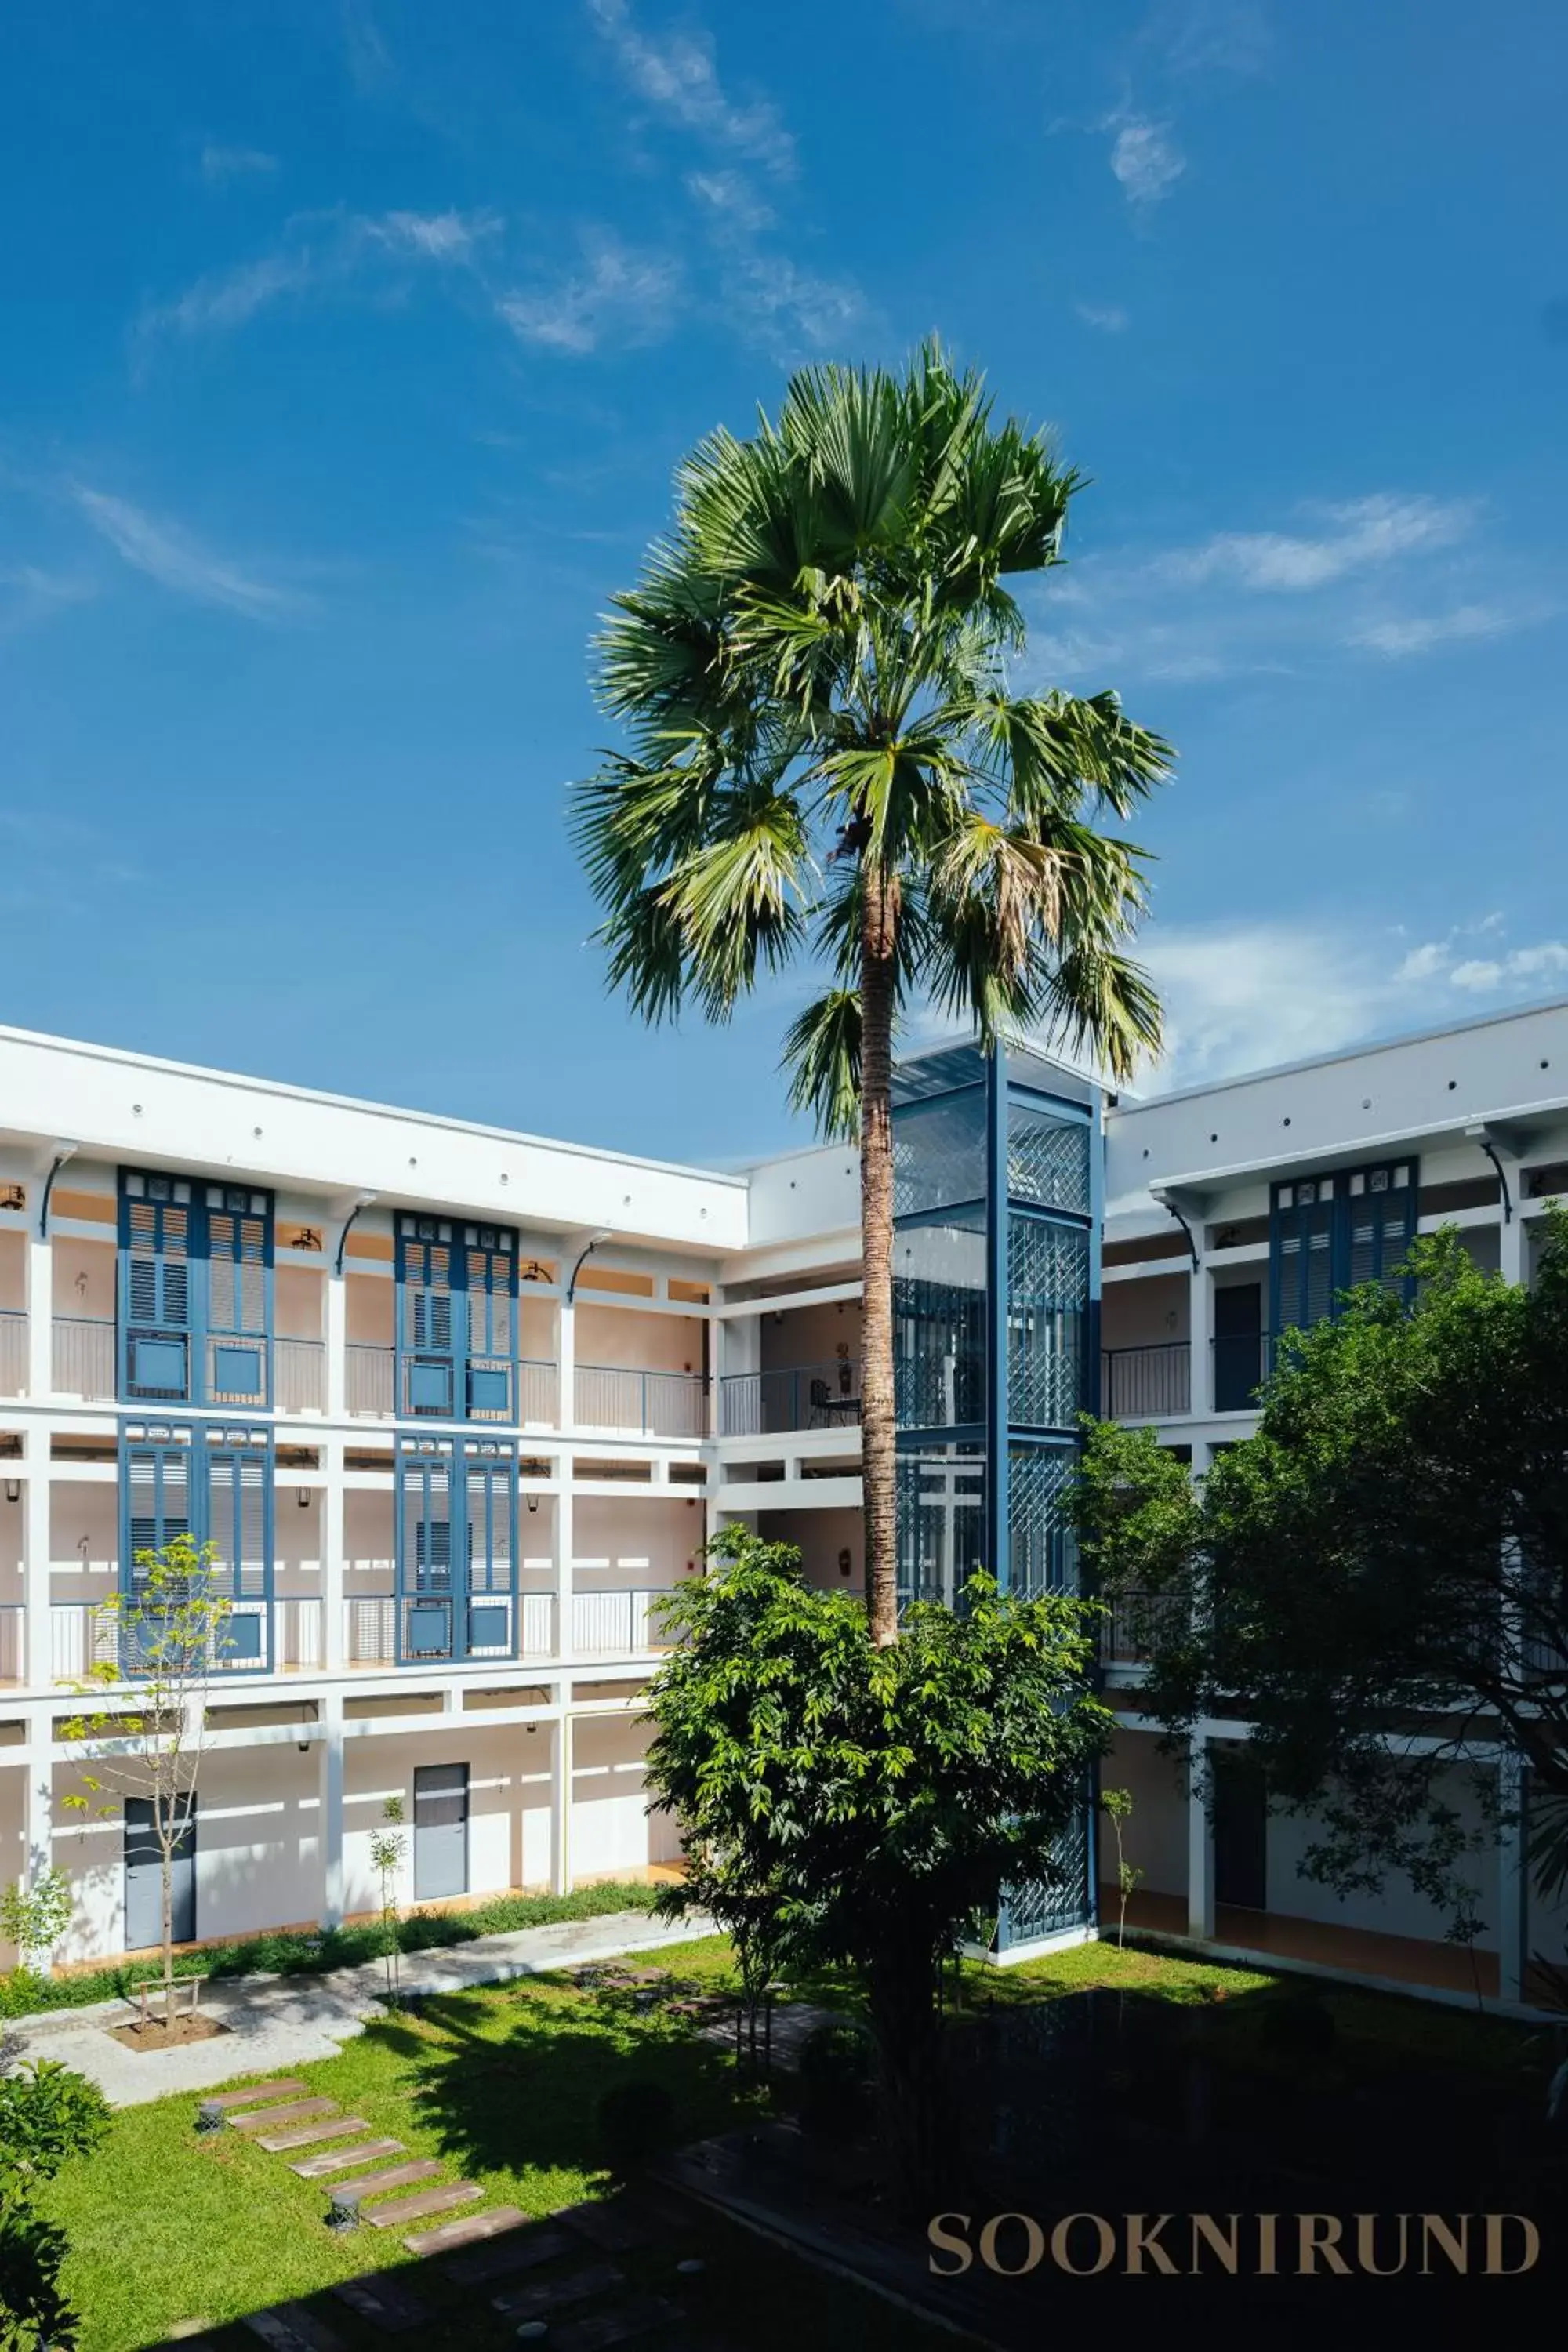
(471, 1588)
(196, 1328)
(464, 1363)
(1284, 1213)
(198, 1443)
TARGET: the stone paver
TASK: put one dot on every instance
(391, 2308)
(338, 2159)
(428, 2200)
(290, 2327)
(280, 2022)
(307, 2135)
(270, 2119)
(395, 2175)
(619, 2326)
(556, 2295)
(611, 2224)
(519, 2246)
(257, 2093)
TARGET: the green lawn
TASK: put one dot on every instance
(503, 2086)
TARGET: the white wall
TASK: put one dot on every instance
(509, 1803)
(1156, 1835)
(1398, 1910)
(619, 1542)
(611, 1830)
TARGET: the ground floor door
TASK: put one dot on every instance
(1238, 1364)
(1240, 1833)
(440, 1830)
(144, 1878)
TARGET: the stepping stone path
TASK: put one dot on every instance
(306, 2135)
(463, 2232)
(613, 2224)
(338, 2159)
(290, 2327)
(429, 2201)
(391, 2307)
(269, 2118)
(554, 2294)
(616, 2325)
(396, 2176)
(256, 2096)
(523, 2248)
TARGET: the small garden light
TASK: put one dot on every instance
(343, 2211)
(210, 2116)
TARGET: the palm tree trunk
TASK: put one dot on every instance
(878, 932)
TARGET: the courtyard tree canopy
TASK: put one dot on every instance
(1377, 1581)
(844, 1803)
(828, 757)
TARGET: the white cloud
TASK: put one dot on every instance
(1146, 160)
(678, 79)
(448, 236)
(730, 195)
(180, 563)
(220, 165)
(1110, 317)
(228, 297)
(791, 309)
(1360, 535)
(621, 293)
(28, 593)
(1399, 640)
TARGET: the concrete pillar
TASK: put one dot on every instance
(1513, 1237)
(334, 1632)
(38, 1811)
(561, 1800)
(564, 1542)
(330, 1807)
(1200, 1848)
(40, 1292)
(336, 1336)
(567, 1362)
(1200, 1316)
(38, 1664)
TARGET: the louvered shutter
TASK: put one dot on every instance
(155, 1483)
(156, 1239)
(429, 1319)
(424, 1552)
(239, 1256)
(490, 1291)
(240, 1526)
(490, 1512)
(1381, 1211)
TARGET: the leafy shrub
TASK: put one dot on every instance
(837, 2070)
(48, 2114)
(637, 2121)
(33, 2315)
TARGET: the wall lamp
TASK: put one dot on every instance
(303, 1498)
(532, 1502)
(13, 1490)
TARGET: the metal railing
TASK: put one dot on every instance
(12, 1644)
(300, 1371)
(1146, 1383)
(12, 1350)
(538, 1393)
(646, 1404)
(297, 1635)
(83, 1349)
(369, 1382)
(370, 1629)
(82, 1635)
(613, 1624)
(1137, 1621)
(801, 1396)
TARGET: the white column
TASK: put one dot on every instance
(40, 1281)
(561, 1798)
(1513, 1237)
(1200, 1848)
(334, 1515)
(1513, 1882)
(336, 1336)
(1200, 1311)
(567, 1362)
(330, 1807)
(565, 1645)
(35, 1548)
(38, 1808)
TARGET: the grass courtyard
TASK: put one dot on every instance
(503, 2086)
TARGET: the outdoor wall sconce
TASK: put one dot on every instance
(13, 1490)
(303, 1498)
(532, 1502)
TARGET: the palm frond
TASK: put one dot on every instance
(822, 1051)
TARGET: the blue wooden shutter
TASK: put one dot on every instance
(239, 1524)
(158, 1233)
(425, 1552)
(1303, 1271)
(429, 1320)
(491, 1513)
(240, 1294)
(490, 1268)
(157, 1501)
(1380, 1215)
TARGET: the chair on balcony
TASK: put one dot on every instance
(830, 1411)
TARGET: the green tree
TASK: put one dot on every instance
(36, 1915)
(875, 1799)
(1388, 1553)
(828, 755)
(1117, 1806)
(171, 1629)
(387, 1847)
(47, 2114)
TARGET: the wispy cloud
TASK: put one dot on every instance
(176, 560)
(676, 78)
(1145, 159)
(620, 292)
(221, 164)
(1246, 995)
(1207, 39)
(30, 592)
(318, 249)
(1354, 538)
(1107, 317)
(1423, 632)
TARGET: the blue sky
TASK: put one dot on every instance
(348, 353)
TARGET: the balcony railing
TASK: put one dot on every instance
(1137, 1621)
(643, 1404)
(84, 1356)
(81, 1635)
(1146, 1383)
(12, 1350)
(803, 1396)
(300, 1371)
(613, 1624)
(12, 1644)
(370, 1629)
(368, 1379)
(297, 1635)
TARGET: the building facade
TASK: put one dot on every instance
(453, 1405)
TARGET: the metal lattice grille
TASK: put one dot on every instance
(1042, 1556)
(939, 1152)
(1047, 1907)
(940, 1522)
(1047, 1294)
(1047, 1160)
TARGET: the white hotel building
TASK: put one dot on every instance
(453, 1404)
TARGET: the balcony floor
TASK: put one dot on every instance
(1315, 1943)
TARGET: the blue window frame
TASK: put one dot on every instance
(1327, 1234)
(213, 1482)
(195, 1291)
(457, 1548)
(457, 1321)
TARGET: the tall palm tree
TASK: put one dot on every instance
(825, 756)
